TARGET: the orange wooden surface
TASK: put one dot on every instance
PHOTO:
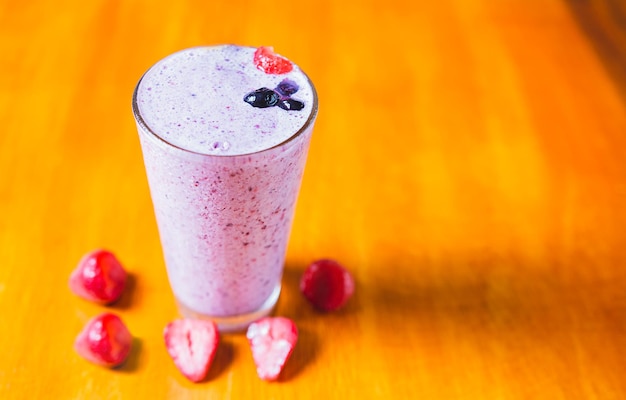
(468, 166)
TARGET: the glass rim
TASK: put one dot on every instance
(146, 128)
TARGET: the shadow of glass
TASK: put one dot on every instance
(493, 299)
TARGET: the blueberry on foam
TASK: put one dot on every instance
(291, 104)
(262, 98)
(287, 87)
(281, 97)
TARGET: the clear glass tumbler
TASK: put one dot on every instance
(224, 221)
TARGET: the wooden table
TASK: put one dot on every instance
(468, 166)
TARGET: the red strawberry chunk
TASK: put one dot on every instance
(327, 285)
(104, 340)
(272, 340)
(192, 344)
(99, 277)
(271, 63)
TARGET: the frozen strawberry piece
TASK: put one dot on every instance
(192, 344)
(327, 285)
(272, 340)
(271, 63)
(104, 340)
(99, 277)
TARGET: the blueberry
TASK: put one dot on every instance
(262, 98)
(287, 87)
(291, 104)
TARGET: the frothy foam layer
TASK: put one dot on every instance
(194, 99)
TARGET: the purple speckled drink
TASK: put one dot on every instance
(224, 175)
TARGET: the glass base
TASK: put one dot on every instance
(235, 323)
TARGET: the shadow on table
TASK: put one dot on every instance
(223, 359)
(126, 301)
(132, 362)
(504, 305)
(604, 24)
(501, 308)
(293, 305)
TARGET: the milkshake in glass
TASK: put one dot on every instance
(224, 137)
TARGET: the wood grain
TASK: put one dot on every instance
(467, 166)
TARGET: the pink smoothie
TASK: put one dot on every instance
(224, 176)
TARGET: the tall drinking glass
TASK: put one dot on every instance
(224, 145)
